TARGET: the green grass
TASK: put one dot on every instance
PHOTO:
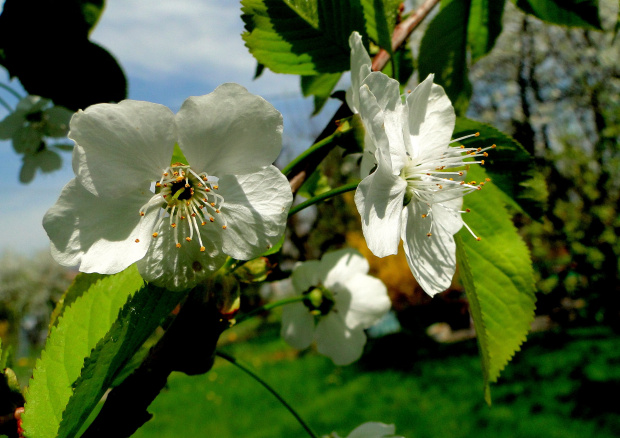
(554, 388)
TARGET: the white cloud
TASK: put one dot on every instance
(184, 39)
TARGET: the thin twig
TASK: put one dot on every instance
(265, 385)
(402, 32)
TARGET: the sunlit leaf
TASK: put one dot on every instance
(301, 37)
(71, 340)
(510, 167)
(135, 323)
(498, 278)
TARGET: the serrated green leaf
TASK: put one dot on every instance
(77, 332)
(577, 13)
(319, 86)
(485, 25)
(315, 185)
(135, 323)
(81, 283)
(301, 37)
(510, 166)
(498, 278)
(443, 51)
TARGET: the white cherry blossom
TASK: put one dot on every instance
(128, 203)
(416, 192)
(341, 300)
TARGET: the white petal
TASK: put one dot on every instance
(379, 200)
(369, 301)
(336, 341)
(431, 118)
(341, 264)
(306, 275)
(297, 325)
(121, 145)
(256, 208)
(432, 260)
(384, 128)
(229, 131)
(385, 89)
(174, 268)
(373, 430)
(360, 68)
(98, 233)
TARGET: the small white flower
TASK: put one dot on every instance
(341, 300)
(34, 119)
(372, 430)
(416, 192)
(179, 221)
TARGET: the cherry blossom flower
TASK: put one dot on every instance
(341, 300)
(416, 192)
(129, 203)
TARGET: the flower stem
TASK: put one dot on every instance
(269, 306)
(234, 361)
(337, 191)
(325, 143)
(10, 90)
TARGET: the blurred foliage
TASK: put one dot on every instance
(29, 289)
(556, 91)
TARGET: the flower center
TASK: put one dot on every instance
(188, 201)
(319, 300)
(433, 179)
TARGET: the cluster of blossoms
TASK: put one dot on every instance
(415, 192)
(130, 202)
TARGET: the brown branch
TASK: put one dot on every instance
(401, 32)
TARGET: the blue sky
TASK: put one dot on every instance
(169, 50)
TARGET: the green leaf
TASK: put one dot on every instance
(485, 25)
(319, 86)
(510, 166)
(443, 51)
(498, 278)
(81, 283)
(577, 13)
(316, 185)
(304, 37)
(76, 333)
(178, 156)
(91, 12)
(135, 323)
(380, 16)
